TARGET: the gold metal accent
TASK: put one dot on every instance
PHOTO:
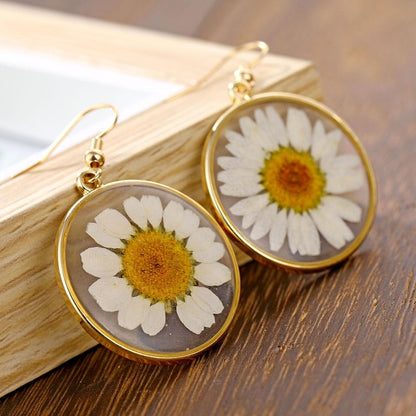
(88, 180)
(96, 142)
(94, 157)
(258, 45)
(241, 89)
(222, 216)
(98, 331)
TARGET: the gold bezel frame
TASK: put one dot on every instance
(209, 183)
(94, 328)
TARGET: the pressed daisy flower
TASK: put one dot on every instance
(154, 261)
(288, 179)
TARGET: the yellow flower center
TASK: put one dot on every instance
(293, 179)
(157, 265)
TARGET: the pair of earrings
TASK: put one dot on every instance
(151, 274)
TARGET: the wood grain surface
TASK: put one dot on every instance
(339, 343)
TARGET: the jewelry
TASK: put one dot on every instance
(146, 270)
(286, 178)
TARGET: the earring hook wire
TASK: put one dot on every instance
(258, 45)
(51, 148)
(75, 121)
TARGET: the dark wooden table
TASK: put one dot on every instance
(343, 342)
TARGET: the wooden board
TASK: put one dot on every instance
(162, 144)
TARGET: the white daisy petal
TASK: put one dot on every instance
(133, 312)
(254, 133)
(330, 148)
(100, 262)
(237, 139)
(207, 300)
(302, 247)
(188, 225)
(249, 220)
(309, 236)
(241, 189)
(343, 207)
(233, 137)
(212, 274)
(278, 232)
(172, 215)
(299, 129)
(339, 164)
(248, 148)
(277, 127)
(155, 319)
(293, 232)
(114, 223)
(339, 184)
(207, 318)
(187, 317)
(153, 209)
(269, 141)
(251, 204)
(136, 212)
(247, 125)
(200, 239)
(263, 222)
(110, 293)
(244, 149)
(102, 238)
(318, 140)
(211, 254)
(238, 175)
(230, 162)
(331, 144)
(347, 161)
(332, 227)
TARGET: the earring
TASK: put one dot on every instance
(146, 270)
(286, 178)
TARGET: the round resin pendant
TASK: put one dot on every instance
(147, 271)
(289, 181)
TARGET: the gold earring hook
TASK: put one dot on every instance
(74, 122)
(241, 88)
(263, 47)
(96, 142)
(259, 45)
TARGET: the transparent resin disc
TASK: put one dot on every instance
(147, 271)
(289, 181)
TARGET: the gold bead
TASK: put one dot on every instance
(244, 74)
(94, 158)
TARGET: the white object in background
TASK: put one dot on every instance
(41, 94)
